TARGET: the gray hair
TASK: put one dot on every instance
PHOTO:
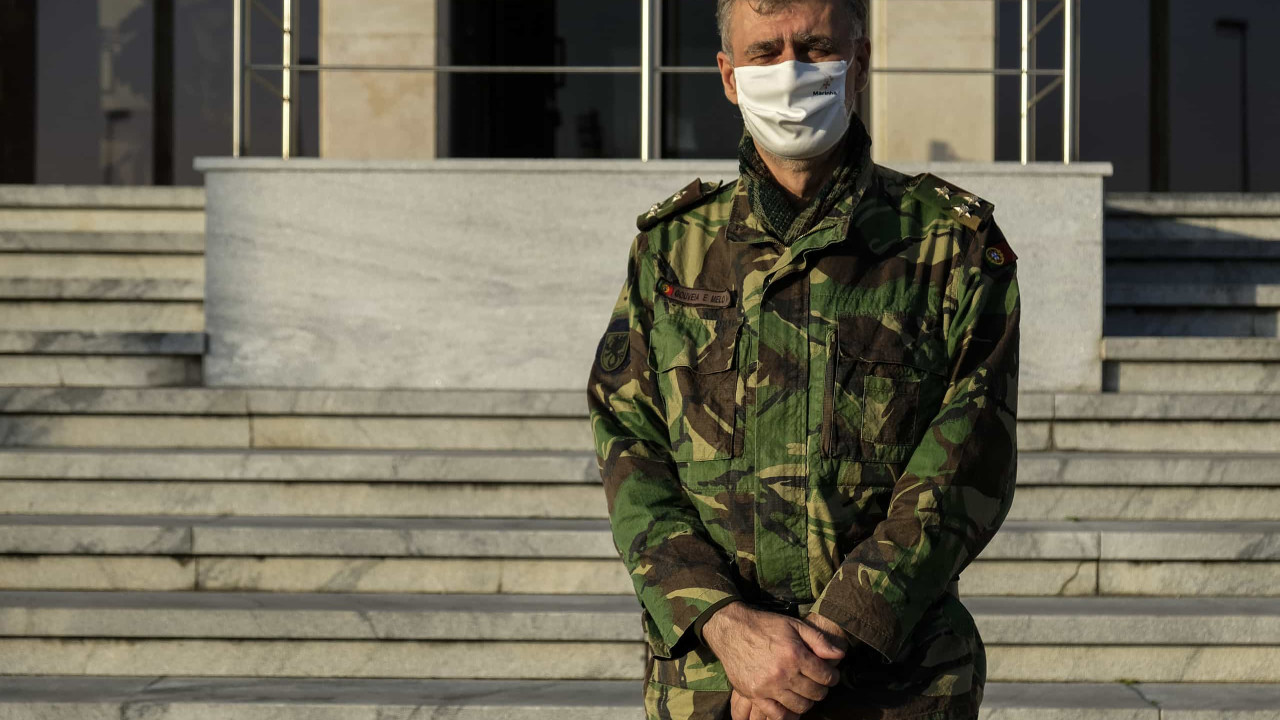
(724, 8)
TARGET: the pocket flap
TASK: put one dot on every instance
(705, 345)
(891, 337)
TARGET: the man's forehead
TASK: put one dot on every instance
(801, 21)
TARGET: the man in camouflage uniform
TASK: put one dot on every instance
(803, 408)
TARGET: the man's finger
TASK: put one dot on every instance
(807, 687)
(817, 669)
(819, 642)
(794, 702)
(770, 709)
(739, 706)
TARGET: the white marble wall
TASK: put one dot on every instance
(501, 274)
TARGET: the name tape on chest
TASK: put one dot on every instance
(693, 296)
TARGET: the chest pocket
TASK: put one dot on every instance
(883, 388)
(694, 357)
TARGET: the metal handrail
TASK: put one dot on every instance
(651, 73)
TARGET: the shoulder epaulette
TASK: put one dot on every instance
(968, 209)
(688, 196)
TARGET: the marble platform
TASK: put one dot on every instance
(501, 274)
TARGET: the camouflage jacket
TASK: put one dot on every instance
(822, 427)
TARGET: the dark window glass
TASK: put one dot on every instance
(697, 120)
(689, 34)
(543, 32)
(17, 91)
(541, 116)
(93, 103)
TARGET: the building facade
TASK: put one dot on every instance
(1172, 92)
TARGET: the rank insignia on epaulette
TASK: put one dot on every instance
(967, 208)
(686, 197)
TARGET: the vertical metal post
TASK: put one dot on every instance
(246, 88)
(286, 80)
(646, 77)
(1068, 79)
(1024, 82)
(655, 84)
(237, 74)
(1075, 88)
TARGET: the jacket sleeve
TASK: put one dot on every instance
(958, 483)
(680, 575)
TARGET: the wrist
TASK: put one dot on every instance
(713, 628)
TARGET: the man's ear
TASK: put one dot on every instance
(862, 56)
(726, 77)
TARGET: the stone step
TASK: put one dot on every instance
(379, 466)
(103, 289)
(549, 500)
(102, 266)
(101, 276)
(1217, 323)
(519, 403)
(591, 576)
(1193, 271)
(101, 209)
(578, 660)
(321, 402)
(28, 342)
(579, 618)
(125, 243)
(98, 370)
(1174, 204)
(1191, 364)
(1189, 295)
(571, 538)
(556, 434)
(407, 433)
(90, 316)
(416, 466)
(1169, 424)
(510, 403)
(545, 500)
(168, 697)
(118, 197)
(1202, 237)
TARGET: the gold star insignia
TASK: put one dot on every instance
(971, 200)
(943, 193)
(654, 209)
(962, 211)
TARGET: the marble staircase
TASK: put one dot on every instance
(183, 552)
(1193, 265)
(101, 286)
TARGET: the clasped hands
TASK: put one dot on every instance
(778, 666)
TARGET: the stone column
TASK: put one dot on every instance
(377, 115)
(923, 118)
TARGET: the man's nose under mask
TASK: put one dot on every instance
(794, 109)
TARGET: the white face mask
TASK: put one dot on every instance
(794, 109)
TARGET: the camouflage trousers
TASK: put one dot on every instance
(929, 680)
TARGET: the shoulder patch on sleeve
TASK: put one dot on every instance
(997, 253)
(685, 198)
(615, 346)
(966, 208)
